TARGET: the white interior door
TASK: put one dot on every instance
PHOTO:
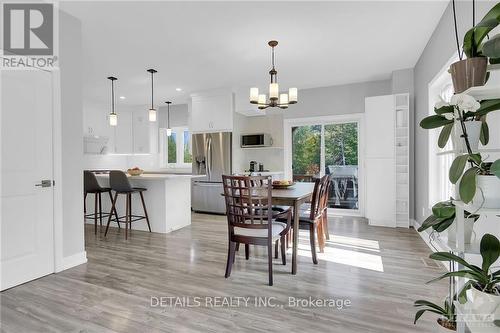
(26, 225)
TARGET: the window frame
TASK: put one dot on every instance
(179, 134)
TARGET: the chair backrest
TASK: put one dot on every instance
(90, 183)
(320, 196)
(118, 181)
(248, 202)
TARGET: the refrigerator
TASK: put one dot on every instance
(212, 157)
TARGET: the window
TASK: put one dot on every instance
(175, 150)
(188, 158)
(327, 145)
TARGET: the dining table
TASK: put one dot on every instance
(294, 196)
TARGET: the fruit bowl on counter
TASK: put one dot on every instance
(281, 184)
(135, 171)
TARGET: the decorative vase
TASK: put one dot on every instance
(487, 192)
(468, 73)
(483, 304)
(473, 129)
(468, 228)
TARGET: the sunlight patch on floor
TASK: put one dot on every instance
(335, 251)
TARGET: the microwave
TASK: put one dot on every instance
(256, 140)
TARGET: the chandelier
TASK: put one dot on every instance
(275, 98)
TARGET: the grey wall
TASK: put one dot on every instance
(438, 51)
(178, 116)
(70, 50)
(325, 101)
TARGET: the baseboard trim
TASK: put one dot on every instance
(72, 261)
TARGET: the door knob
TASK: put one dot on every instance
(45, 183)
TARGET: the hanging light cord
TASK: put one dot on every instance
(152, 90)
(456, 29)
(168, 115)
(113, 96)
(473, 13)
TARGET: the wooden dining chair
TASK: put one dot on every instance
(313, 217)
(251, 219)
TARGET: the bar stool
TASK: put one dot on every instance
(119, 183)
(91, 185)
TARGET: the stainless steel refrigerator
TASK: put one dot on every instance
(212, 157)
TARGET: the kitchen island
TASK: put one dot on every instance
(168, 201)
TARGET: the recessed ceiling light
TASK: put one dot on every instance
(178, 89)
(122, 97)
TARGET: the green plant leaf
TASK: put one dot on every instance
(429, 222)
(463, 273)
(490, 251)
(444, 109)
(457, 168)
(467, 187)
(495, 168)
(421, 312)
(484, 135)
(434, 121)
(446, 256)
(474, 37)
(462, 295)
(492, 47)
(476, 158)
(445, 224)
(423, 302)
(443, 209)
(487, 106)
(444, 135)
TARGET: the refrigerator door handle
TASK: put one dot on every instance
(209, 157)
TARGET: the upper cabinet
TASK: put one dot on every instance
(380, 118)
(211, 111)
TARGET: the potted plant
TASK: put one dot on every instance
(483, 283)
(464, 115)
(458, 113)
(447, 317)
(471, 72)
(480, 175)
(443, 218)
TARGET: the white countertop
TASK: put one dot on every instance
(156, 176)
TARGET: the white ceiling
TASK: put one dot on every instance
(202, 45)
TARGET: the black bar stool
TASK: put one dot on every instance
(91, 185)
(119, 183)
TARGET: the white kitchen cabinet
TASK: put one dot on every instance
(211, 111)
(387, 160)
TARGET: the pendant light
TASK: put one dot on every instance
(152, 110)
(169, 130)
(275, 98)
(113, 118)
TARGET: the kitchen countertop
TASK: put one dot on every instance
(155, 176)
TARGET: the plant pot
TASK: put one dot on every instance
(468, 73)
(473, 129)
(483, 304)
(468, 227)
(443, 322)
(487, 192)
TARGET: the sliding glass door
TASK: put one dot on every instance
(331, 146)
(341, 162)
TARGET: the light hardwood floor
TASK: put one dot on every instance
(381, 271)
